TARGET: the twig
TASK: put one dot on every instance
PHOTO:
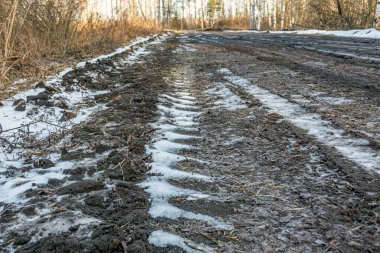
(121, 167)
(61, 210)
(19, 127)
(194, 247)
(125, 247)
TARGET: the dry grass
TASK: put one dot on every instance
(40, 37)
(237, 23)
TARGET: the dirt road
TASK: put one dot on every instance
(214, 142)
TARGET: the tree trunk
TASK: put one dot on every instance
(252, 15)
(377, 15)
(283, 8)
(258, 13)
(158, 11)
(196, 13)
(203, 14)
(275, 14)
(269, 14)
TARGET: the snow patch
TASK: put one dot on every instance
(121, 50)
(226, 98)
(184, 48)
(233, 140)
(40, 122)
(335, 100)
(12, 188)
(178, 100)
(300, 99)
(371, 33)
(361, 33)
(224, 71)
(344, 54)
(42, 227)
(180, 114)
(163, 239)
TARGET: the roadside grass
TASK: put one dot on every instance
(38, 38)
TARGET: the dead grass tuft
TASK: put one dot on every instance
(39, 37)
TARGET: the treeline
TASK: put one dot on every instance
(268, 14)
(254, 14)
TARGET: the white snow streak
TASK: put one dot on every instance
(164, 156)
(226, 98)
(355, 149)
(338, 53)
(40, 121)
(361, 33)
(177, 112)
(184, 48)
(14, 181)
(335, 100)
(12, 188)
(10, 119)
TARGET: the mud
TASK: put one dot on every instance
(273, 186)
(105, 191)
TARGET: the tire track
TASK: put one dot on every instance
(178, 122)
(355, 149)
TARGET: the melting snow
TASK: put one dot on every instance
(344, 54)
(180, 115)
(15, 186)
(227, 99)
(46, 119)
(355, 149)
(224, 71)
(133, 43)
(164, 156)
(359, 33)
(363, 33)
(41, 226)
(301, 99)
(184, 48)
(160, 238)
(43, 122)
(40, 121)
(334, 100)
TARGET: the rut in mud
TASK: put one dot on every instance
(213, 142)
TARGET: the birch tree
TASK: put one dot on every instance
(253, 14)
(377, 15)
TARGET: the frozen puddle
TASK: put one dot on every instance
(355, 149)
(177, 111)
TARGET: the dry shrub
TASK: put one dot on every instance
(237, 23)
(36, 36)
(340, 14)
(96, 35)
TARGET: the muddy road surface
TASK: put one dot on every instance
(212, 142)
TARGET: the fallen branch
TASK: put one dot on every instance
(125, 247)
(61, 210)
